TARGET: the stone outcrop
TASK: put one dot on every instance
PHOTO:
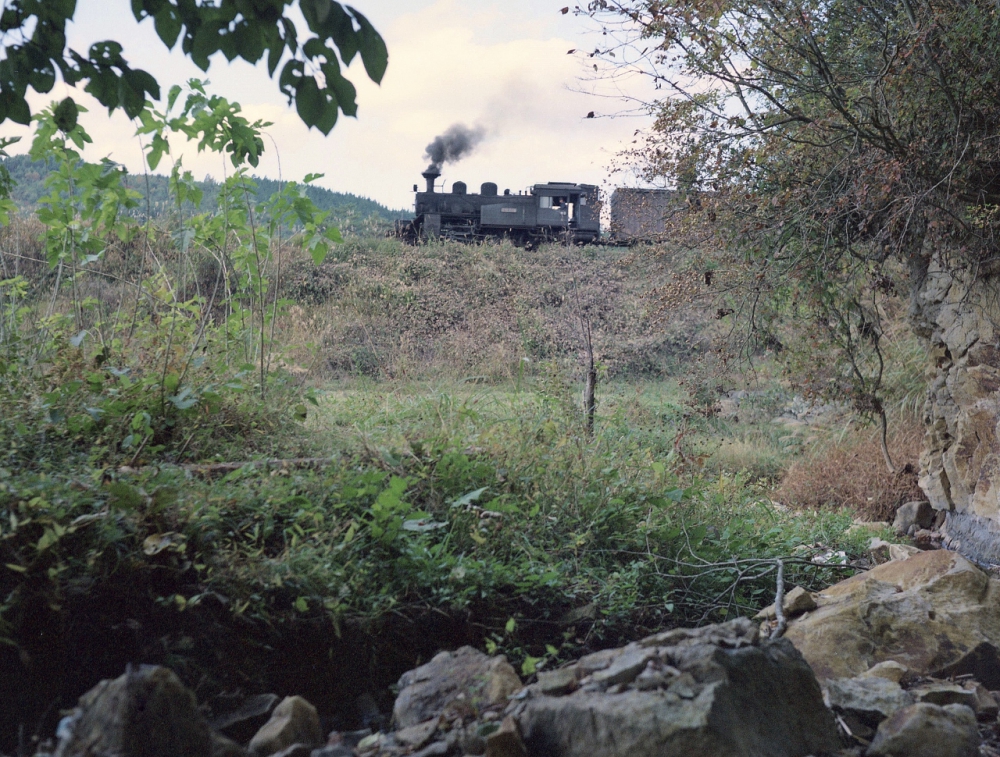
(960, 464)
(935, 612)
(465, 675)
(147, 712)
(715, 691)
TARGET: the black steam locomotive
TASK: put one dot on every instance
(556, 211)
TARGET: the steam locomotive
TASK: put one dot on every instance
(557, 211)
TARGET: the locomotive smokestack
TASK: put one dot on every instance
(457, 142)
(431, 174)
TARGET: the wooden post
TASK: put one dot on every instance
(589, 403)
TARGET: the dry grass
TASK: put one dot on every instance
(851, 473)
(386, 310)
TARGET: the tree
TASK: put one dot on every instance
(34, 40)
(833, 144)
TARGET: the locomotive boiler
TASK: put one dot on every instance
(557, 211)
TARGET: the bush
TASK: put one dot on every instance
(852, 474)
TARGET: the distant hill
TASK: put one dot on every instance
(347, 209)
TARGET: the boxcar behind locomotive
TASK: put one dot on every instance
(557, 211)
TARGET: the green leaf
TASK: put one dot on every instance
(374, 53)
(122, 496)
(511, 625)
(467, 499)
(49, 537)
(309, 101)
(168, 25)
(65, 115)
(423, 525)
(184, 400)
(530, 665)
(16, 108)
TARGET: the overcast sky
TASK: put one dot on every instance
(499, 64)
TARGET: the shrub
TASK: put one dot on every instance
(851, 473)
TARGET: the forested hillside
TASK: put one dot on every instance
(29, 176)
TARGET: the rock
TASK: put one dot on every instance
(927, 730)
(348, 738)
(472, 739)
(944, 694)
(902, 551)
(426, 691)
(625, 667)
(596, 661)
(657, 675)
(295, 750)
(797, 601)
(294, 721)
(338, 750)
(936, 613)
(987, 708)
(926, 539)
(147, 712)
(956, 314)
(732, 697)
(416, 736)
(370, 743)
(437, 749)
(506, 741)
(226, 747)
(890, 670)
(884, 551)
(558, 682)
(869, 700)
(242, 722)
(879, 549)
(913, 516)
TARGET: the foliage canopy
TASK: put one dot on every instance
(33, 34)
(833, 151)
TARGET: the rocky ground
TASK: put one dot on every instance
(899, 661)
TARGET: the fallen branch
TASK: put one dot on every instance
(210, 470)
(779, 603)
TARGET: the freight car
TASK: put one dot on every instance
(557, 211)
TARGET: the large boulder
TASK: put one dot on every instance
(935, 612)
(465, 675)
(928, 730)
(147, 712)
(913, 516)
(294, 721)
(711, 692)
(866, 700)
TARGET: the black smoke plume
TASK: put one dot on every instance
(457, 142)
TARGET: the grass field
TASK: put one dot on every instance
(460, 498)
